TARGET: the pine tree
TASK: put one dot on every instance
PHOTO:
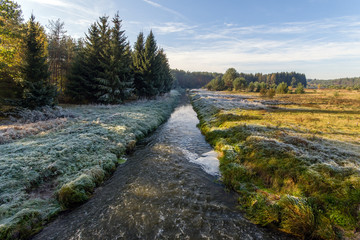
(78, 89)
(166, 80)
(138, 65)
(82, 85)
(150, 66)
(115, 83)
(37, 91)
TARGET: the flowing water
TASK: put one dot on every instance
(167, 189)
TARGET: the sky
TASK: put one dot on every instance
(320, 38)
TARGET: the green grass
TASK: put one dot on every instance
(46, 173)
(295, 167)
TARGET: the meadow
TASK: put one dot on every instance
(294, 159)
(55, 164)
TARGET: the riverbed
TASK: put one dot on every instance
(169, 188)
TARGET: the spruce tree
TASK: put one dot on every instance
(82, 85)
(78, 88)
(165, 79)
(115, 83)
(150, 66)
(138, 62)
(37, 91)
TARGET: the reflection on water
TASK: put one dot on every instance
(167, 189)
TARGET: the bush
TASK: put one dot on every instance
(270, 93)
(263, 92)
(299, 89)
(282, 88)
(239, 83)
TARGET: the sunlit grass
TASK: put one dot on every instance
(295, 162)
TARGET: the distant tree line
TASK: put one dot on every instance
(275, 82)
(186, 79)
(39, 69)
(341, 83)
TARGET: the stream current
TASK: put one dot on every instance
(169, 188)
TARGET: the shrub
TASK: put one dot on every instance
(299, 89)
(270, 93)
(263, 92)
(282, 88)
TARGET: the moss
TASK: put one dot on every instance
(28, 221)
(77, 191)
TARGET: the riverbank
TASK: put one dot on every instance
(167, 189)
(44, 174)
(296, 165)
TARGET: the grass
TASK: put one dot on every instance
(45, 173)
(294, 159)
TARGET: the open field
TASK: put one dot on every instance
(294, 159)
(46, 170)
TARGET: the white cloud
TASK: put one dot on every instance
(173, 27)
(157, 5)
(280, 47)
(68, 7)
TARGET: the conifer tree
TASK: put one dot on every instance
(138, 62)
(165, 80)
(77, 87)
(115, 83)
(150, 66)
(82, 85)
(37, 91)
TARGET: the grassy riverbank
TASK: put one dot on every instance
(294, 160)
(52, 170)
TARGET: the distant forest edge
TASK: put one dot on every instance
(187, 79)
(353, 83)
(225, 81)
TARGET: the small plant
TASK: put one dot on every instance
(299, 89)
(282, 88)
(263, 92)
(271, 93)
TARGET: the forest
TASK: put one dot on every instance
(266, 84)
(340, 83)
(186, 79)
(40, 67)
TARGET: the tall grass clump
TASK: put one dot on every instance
(287, 176)
(45, 173)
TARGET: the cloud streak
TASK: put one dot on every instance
(157, 5)
(280, 47)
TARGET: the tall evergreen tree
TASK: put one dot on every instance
(82, 85)
(165, 78)
(77, 87)
(138, 62)
(115, 83)
(37, 90)
(151, 66)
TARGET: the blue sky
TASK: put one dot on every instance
(320, 38)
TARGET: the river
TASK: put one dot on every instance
(169, 188)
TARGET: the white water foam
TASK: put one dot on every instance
(208, 161)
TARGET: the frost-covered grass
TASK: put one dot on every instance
(31, 122)
(294, 162)
(54, 170)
